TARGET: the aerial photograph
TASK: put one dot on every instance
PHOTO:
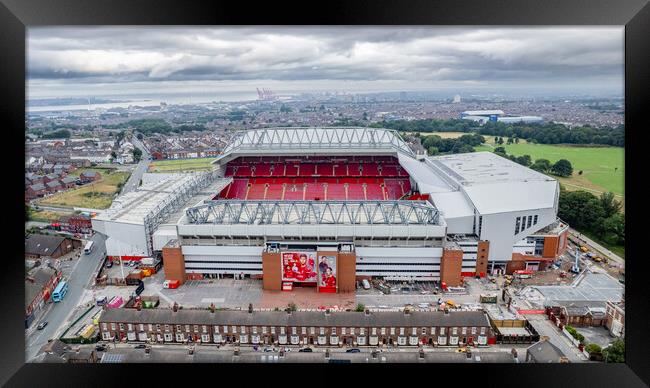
(252, 194)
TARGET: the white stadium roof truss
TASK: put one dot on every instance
(318, 138)
(314, 212)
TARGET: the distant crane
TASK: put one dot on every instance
(266, 94)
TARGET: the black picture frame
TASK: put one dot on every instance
(17, 15)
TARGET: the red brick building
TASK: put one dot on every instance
(434, 328)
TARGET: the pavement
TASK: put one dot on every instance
(80, 280)
(121, 352)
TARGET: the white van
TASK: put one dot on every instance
(366, 284)
(89, 247)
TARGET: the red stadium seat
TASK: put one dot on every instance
(274, 191)
(340, 169)
(370, 169)
(262, 169)
(307, 169)
(256, 191)
(389, 170)
(335, 191)
(374, 192)
(293, 192)
(355, 191)
(315, 191)
(291, 169)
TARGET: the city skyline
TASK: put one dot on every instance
(122, 61)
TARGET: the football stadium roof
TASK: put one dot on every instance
(314, 212)
(316, 139)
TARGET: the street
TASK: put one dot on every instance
(57, 314)
(611, 255)
(546, 328)
(134, 180)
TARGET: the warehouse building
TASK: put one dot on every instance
(484, 116)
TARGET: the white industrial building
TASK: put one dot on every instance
(484, 116)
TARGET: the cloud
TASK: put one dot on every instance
(347, 54)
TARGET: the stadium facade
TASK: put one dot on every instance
(325, 207)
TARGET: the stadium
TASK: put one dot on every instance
(325, 207)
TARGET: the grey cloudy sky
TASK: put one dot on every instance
(120, 60)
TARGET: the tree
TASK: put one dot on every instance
(593, 348)
(292, 306)
(113, 155)
(360, 307)
(516, 140)
(500, 141)
(524, 160)
(137, 154)
(562, 168)
(580, 172)
(615, 352)
(580, 209)
(140, 136)
(612, 229)
(541, 165)
(433, 150)
(509, 140)
(609, 204)
(500, 150)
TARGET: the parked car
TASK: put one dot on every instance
(41, 325)
(306, 350)
(353, 350)
(109, 264)
(140, 346)
(268, 350)
(100, 348)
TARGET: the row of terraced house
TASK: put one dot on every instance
(427, 328)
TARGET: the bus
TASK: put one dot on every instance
(89, 247)
(60, 291)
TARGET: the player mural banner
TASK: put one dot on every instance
(299, 267)
(327, 273)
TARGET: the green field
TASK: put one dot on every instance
(198, 164)
(597, 164)
(97, 195)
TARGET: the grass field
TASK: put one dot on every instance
(45, 215)
(101, 170)
(98, 195)
(597, 163)
(198, 164)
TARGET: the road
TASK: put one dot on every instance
(610, 255)
(546, 328)
(57, 314)
(134, 180)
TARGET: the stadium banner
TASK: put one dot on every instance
(299, 267)
(327, 273)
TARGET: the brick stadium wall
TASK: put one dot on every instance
(347, 268)
(174, 264)
(272, 270)
(551, 246)
(451, 265)
(482, 257)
